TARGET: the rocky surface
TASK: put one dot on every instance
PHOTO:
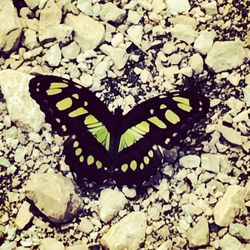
(126, 52)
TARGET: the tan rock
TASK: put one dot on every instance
(204, 41)
(88, 32)
(229, 205)
(110, 12)
(51, 243)
(54, 195)
(23, 110)
(11, 31)
(32, 4)
(23, 216)
(184, 32)
(128, 233)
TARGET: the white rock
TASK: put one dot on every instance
(240, 230)
(246, 92)
(248, 190)
(51, 243)
(71, 51)
(190, 161)
(204, 41)
(117, 39)
(88, 32)
(186, 71)
(77, 246)
(30, 39)
(20, 154)
(50, 18)
(32, 4)
(86, 80)
(53, 55)
(101, 70)
(176, 7)
(23, 216)
(110, 203)
(229, 205)
(54, 196)
(133, 17)
(167, 245)
(135, 33)
(184, 32)
(210, 7)
(145, 76)
(199, 234)
(169, 48)
(234, 79)
(128, 233)
(196, 63)
(119, 57)
(230, 134)
(225, 56)
(211, 162)
(229, 242)
(85, 6)
(129, 192)
(110, 12)
(23, 110)
(158, 6)
(11, 29)
(85, 226)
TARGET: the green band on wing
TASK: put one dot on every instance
(157, 122)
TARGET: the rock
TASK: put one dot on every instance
(85, 226)
(240, 231)
(184, 32)
(199, 235)
(190, 161)
(246, 92)
(211, 162)
(169, 48)
(4, 162)
(78, 246)
(50, 19)
(204, 41)
(110, 12)
(23, 110)
(11, 31)
(129, 192)
(133, 17)
(135, 33)
(196, 63)
(176, 7)
(85, 6)
(167, 245)
(54, 195)
(51, 243)
(128, 233)
(23, 216)
(228, 242)
(248, 190)
(225, 56)
(230, 134)
(210, 7)
(119, 56)
(145, 76)
(30, 40)
(88, 32)
(71, 51)
(110, 203)
(117, 39)
(229, 205)
(32, 4)
(53, 56)
(158, 6)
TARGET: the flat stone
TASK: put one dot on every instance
(229, 205)
(23, 216)
(85, 226)
(240, 230)
(211, 162)
(51, 243)
(50, 19)
(135, 33)
(176, 7)
(204, 41)
(184, 33)
(196, 63)
(199, 235)
(230, 134)
(133, 17)
(210, 7)
(85, 6)
(127, 233)
(88, 33)
(53, 55)
(225, 56)
(110, 12)
(71, 51)
(54, 195)
(229, 242)
(11, 31)
(23, 110)
(110, 203)
(190, 161)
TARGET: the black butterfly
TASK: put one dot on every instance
(102, 145)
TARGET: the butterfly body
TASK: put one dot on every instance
(102, 145)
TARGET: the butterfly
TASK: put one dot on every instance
(101, 145)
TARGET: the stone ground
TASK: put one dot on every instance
(126, 52)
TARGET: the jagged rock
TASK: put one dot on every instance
(176, 7)
(225, 56)
(32, 4)
(229, 242)
(54, 195)
(184, 32)
(53, 55)
(135, 33)
(110, 12)
(196, 63)
(88, 32)
(246, 92)
(23, 216)
(71, 51)
(110, 203)
(228, 206)
(128, 233)
(190, 161)
(23, 110)
(204, 41)
(10, 28)
(51, 243)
